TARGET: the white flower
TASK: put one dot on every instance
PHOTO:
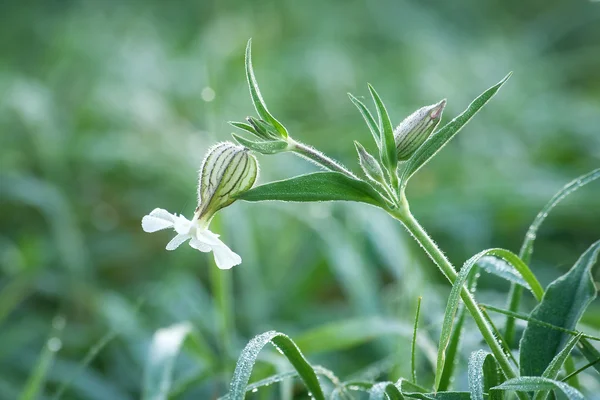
(196, 232)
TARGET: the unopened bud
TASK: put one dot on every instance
(227, 170)
(263, 129)
(416, 128)
(369, 164)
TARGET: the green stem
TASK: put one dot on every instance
(316, 156)
(416, 230)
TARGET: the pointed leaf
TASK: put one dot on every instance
(388, 144)
(534, 383)
(452, 352)
(288, 348)
(369, 165)
(440, 138)
(563, 305)
(557, 363)
(454, 298)
(503, 269)
(257, 100)
(245, 127)
(527, 247)
(264, 147)
(590, 353)
(318, 186)
(364, 111)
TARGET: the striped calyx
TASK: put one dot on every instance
(227, 170)
(416, 128)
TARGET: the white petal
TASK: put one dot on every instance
(206, 236)
(198, 245)
(224, 257)
(157, 220)
(182, 225)
(176, 241)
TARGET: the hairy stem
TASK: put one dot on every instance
(316, 156)
(437, 256)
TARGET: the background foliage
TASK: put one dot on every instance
(108, 107)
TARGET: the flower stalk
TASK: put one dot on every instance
(404, 215)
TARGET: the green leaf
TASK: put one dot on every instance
(452, 352)
(158, 372)
(503, 269)
(413, 343)
(245, 127)
(288, 348)
(483, 374)
(590, 353)
(369, 165)
(388, 144)
(557, 363)
(253, 387)
(318, 186)
(454, 297)
(440, 138)
(265, 147)
(364, 111)
(257, 100)
(534, 383)
(563, 305)
(527, 247)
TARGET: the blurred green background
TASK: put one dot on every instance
(106, 111)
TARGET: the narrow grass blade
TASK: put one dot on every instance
(527, 247)
(483, 374)
(366, 114)
(158, 372)
(503, 269)
(534, 321)
(280, 377)
(440, 138)
(288, 348)
(257, 100)
(452, 352)
(318, 186)
(34, 387)
(556, 364)
(590, 353)
(388, 144)
(454, 298)
(413, 344)
(535, 383)
(563, 305)
(580, 370)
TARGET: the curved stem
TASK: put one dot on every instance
(316, 156)
(416, 230)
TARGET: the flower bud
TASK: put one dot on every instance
(416, 128)
(369, 164)
(263, 129)
(227, 170)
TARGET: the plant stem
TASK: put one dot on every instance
(416, 230)
(316, 156)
